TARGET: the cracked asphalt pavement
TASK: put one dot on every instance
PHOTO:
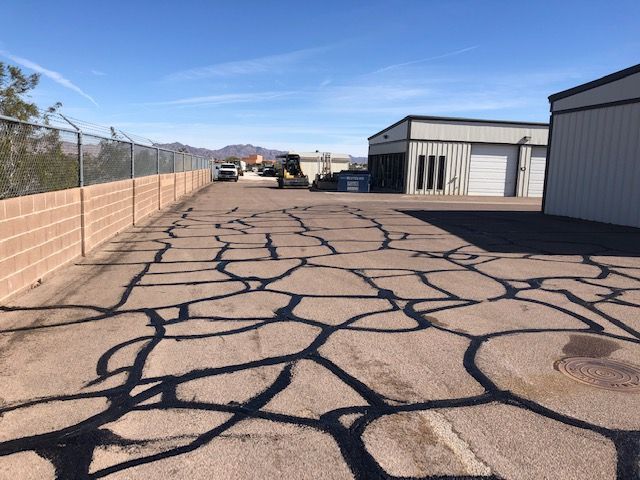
(253, 333)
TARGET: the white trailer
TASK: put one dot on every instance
(319, 163)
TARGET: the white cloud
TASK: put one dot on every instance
(423, 60)
(224, 99)
(392, 95)
(53, 75)
(365, 95)
(339, 116)
(97, 73)
(266, 64)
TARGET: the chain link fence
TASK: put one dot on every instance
(105, 160)
(145, 161)
(179, 162)
(166, 161)
(37, 158)
(53, 159)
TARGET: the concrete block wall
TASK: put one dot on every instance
(180, 184)
(167, 189)
(146, 196)
(40, 233)
(107, 210)
(189, 182)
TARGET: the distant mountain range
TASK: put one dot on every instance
(228, 151)
(235, 151)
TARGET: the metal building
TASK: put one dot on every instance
(594, 152)
(459, 156)
(312, 162)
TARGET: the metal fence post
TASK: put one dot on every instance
(80, 151)
(81, 159)
(159, 181)
(133, 159)
(174, 176)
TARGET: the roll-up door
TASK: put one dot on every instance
(493, 170)
(536, 171)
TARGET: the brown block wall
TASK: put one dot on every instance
(38, 233)
(108, 209)
(145, 199)
(167, 189)
(180, 184)
(189, 182)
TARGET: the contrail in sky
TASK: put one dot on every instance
(437, 57)
(53, 75)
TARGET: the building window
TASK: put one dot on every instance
(420, 181)
(442, 163)
(431, 168)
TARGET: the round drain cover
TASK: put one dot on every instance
(601, 373)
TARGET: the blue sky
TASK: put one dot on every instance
(310, 75)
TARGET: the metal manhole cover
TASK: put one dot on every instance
(601, 373)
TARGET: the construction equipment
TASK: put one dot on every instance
(324, 165)
(325, 179)
(289, 172)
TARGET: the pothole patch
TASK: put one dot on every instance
(601, 373)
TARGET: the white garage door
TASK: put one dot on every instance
(536, 171)
(493, 170)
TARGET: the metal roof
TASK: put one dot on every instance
(459, 119)
(612, 77)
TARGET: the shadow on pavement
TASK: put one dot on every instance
(237, 305)
(533, 233)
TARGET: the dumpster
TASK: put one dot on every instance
(356, 182)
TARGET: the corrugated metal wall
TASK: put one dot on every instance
(458, 157)
(457, 167)
(535, 172)
(473, 132)
(594, 169)
(524, 167)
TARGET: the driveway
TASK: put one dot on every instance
(255, 333)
